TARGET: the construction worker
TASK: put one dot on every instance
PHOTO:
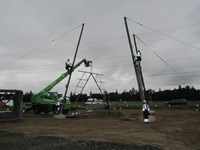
(68, 65)
(137, 58)
(58, 104)
(145, 110)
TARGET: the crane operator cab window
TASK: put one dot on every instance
(68, 65)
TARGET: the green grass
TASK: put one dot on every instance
(192, 105)
(154, 105)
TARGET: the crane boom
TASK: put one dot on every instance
(46, 101)
(60, 78)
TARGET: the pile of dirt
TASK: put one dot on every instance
(17, 141)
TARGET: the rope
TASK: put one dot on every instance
(39, 48)
(163, 34)
(162, 59)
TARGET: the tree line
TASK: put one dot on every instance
(187, 92)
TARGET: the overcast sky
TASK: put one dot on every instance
(34, 46)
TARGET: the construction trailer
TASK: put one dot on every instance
(11, 104)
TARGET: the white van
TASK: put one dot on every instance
(93, 101)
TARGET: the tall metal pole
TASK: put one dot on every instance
(129, 39)
(135, 43)
(138, 70)
(136, 66)
(67, 86)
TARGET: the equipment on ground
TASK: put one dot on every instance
(46, 101)
(11, 104)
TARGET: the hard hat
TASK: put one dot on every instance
(144, 101)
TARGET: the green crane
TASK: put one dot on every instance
(46, 101)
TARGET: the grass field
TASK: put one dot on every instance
(155, 105)
(192, 105)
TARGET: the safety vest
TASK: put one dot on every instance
(145, 106)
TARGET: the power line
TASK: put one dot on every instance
(194, 73)
(149, 76)
(168, 74)
(111, 59)
(163, 34)
(162, 59)
(182, 35)
(124, 37)
(105, 40)
(111, 47)
(167, 29)
(39, 48)
(119, 38)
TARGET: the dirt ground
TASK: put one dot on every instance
(167, 129)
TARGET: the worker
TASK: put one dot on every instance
(68, 65)
(58, 104)
(145, 110)
(138, 56)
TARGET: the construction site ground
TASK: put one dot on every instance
(168, 129)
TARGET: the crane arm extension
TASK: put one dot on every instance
(60, 78)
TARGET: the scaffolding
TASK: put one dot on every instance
(84, 80)
(10, 104)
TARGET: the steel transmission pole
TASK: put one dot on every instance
(67, 85)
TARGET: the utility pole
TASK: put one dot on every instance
(139, 75)
(136, 64)
(67, 85)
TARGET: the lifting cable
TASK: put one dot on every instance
(161, 58)
(40, 47)
(163, 34)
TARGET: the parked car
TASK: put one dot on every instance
(177, 102)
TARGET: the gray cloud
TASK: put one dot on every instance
(26, 25)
